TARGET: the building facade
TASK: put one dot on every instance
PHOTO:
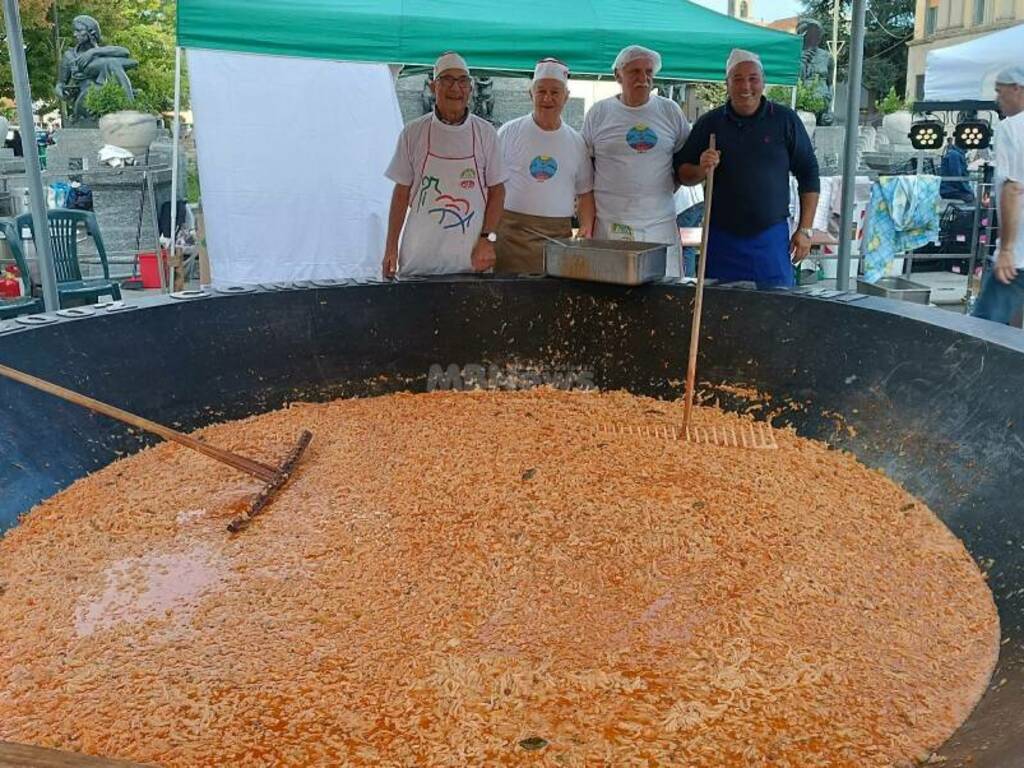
(941, 23)
(741, 9)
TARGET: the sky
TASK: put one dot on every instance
(769, 10)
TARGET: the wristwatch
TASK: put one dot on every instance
(808, 233)
(490, 237)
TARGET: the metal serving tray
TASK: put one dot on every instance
(606, 261)
(897, 288)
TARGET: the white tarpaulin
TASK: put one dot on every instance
(968, 71)
(291, 155)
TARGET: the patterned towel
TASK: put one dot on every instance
(903, 214)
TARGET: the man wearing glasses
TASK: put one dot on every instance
(449, 184)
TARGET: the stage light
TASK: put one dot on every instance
(927, 133)
(972, 134)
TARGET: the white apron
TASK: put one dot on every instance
(663, 232)
(446, 215)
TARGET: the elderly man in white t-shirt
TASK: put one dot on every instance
(449, 184)
(632, 138)
(1002, 294)
(549, 170)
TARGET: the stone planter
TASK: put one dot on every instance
(810, 121)
(896, 127)
(129, 130)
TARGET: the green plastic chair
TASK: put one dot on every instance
(26, 305)
(64, 242)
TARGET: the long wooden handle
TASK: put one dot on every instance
(254, 468)
(698, 302)
(26, 756)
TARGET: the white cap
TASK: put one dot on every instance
(738, 56)
(1011, 76)
(633, 52)
(449, 60)
(551, 69)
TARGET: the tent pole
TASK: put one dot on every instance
(175, 132)
(23, 97)
(835, 53)
(850, 149)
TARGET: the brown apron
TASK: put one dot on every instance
(520, 252)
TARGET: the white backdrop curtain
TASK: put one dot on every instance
(968, 70)
(291, 156)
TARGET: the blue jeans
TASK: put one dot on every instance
(999, 302)
(691, 217)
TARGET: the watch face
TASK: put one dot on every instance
(492, 237)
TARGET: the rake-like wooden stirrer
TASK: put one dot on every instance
(274, 477)
(747, 435)
(698, 302)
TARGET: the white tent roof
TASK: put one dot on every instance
(968, 71)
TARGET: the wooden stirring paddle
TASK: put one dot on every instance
(274, 477)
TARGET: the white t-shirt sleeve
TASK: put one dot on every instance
(401, 169)
(504, 141)
(495, 168)
(1010, 151)
(682, 127)
(585, 174)
(588, 129)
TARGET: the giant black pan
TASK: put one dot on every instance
(933, 399)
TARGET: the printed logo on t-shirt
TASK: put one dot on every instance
(467, 179)
(641, 138)
(543, 167)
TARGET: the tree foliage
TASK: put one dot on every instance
(889, 26)
(809, 98)
(711, 95)
(891, 102)
(145, 27)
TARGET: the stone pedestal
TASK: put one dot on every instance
(74, 149)
(828, 148)
(121, 199)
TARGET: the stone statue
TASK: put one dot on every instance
(816, 62)
(87, 64)
(427, 98)
(483, 97)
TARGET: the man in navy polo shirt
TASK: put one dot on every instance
(758, 144)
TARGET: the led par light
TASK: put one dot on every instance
(927, 134)
(972, 134)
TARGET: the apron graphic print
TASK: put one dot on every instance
(451, 211)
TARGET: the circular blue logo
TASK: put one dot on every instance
(641, 138)
(543, 167)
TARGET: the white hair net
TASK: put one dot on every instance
(551, 69)
(1011, 75)
(449, 60)
(633, 52)
(738, 56)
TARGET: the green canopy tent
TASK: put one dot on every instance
(694, 41)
